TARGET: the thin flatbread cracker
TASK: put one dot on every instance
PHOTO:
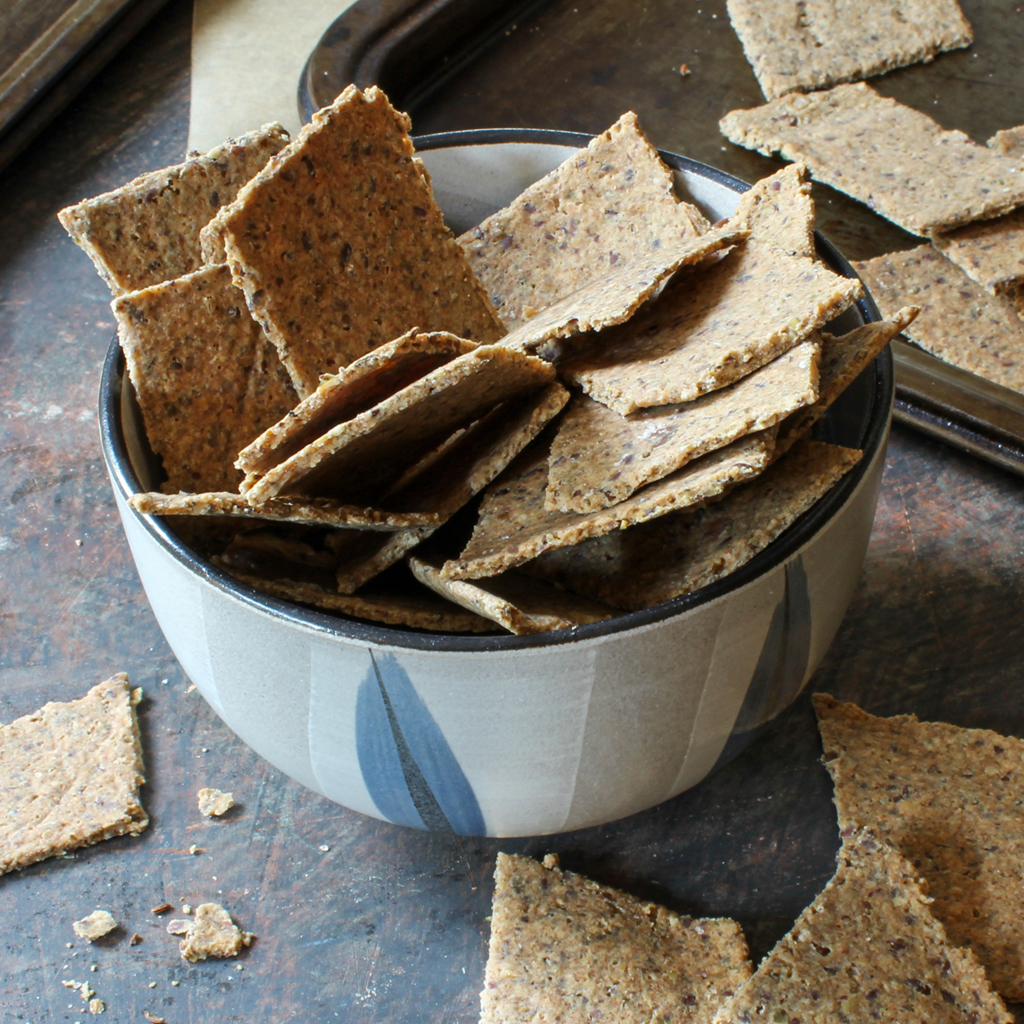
(1008, 142)
(895, 159)
(676, 555)
(517, 603)
(608, 204)
(868, 948)
(989, 252)
(599, 458)
(515, 526)
(70, 775)
(801, 45)
(148, 230)
(564, 948)
(960, 322)
(207, 379)
(343, 208)
(950, 799)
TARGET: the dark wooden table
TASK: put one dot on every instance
(356, 919)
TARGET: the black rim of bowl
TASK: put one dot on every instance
(115, 451)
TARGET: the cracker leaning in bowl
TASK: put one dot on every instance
(696, 345)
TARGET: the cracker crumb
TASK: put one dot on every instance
(162, 909)
(178, 927)
(97, 1006)
(153, 1018)
(193, 849)
(186, 908)
(95, 925)
(152, 984)
(684, 70)
(215, 802)
(324, 848)
(175, 983)
(213, 933)
(135, 939)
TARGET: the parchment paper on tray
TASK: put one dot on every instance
(343, 208)
(606, 205)
(895, 159)
(675, 555)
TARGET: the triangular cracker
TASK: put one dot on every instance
(779, 211)
(564, 948)
(70, 775)
(867, 949)
(951, 799)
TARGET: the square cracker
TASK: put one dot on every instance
(71, 774)
(515, 526)
(341, 209)
(675, 555)
(894, 158)
(950, 799)
(609, 204)
(148, 230)
(564, 948)
(960, 322)
(207, 379)
(800, 45)
(598, 457)
(868, 948)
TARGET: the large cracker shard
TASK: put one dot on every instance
(951, 799)
(564, 948)
(341, 209)
(71, 775)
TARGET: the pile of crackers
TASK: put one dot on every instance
(592, 402)
(921, 921)
(964, 199)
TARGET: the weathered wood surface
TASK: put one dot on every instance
(387, 924)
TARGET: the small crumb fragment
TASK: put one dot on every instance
(152, 984)
(213, 933)
(162, 909)
(193, 849)
(186, 908)
(93, 967)
(153, 1018)
(684, 70)
(135, 939)
(79, 543)
(164, 682)
(324, 848)
(96, 1006)
(175, 983)
(70, 945)
(191, 687)
(239, 967)
(214, 802)
(178, 927)
(95, 926)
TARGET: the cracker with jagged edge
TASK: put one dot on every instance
(952, 800)
(960, 322)
(207, 379)
(514, 526)
(897, 160)
(70, 775)
(148, 230)
(868, 948)
(611, 203)
(801, 45)
(565, 948)
(675, 555)
(599, 458)
(340, 210)
(779, 211)
(211, 932)
(515, 602)
(1008, 142)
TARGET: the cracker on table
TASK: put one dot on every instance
(211, 932)
(514, 525)
(606, 205)
(564, 948)
(148, 230)
(800, 45)
(989, 252)
(868, 948)
(361, 456)
(70, 775)
(517, 603)
(342, 209)
(599, 457)
(959, 321)
(677, 554)
(1008, 142)
(950, 798)
(895, 159)
(207, 379)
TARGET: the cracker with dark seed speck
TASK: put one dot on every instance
(1008, 142)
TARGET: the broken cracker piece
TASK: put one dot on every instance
(95, 925)
(214, 802)
(212, 933)
(779, 211)
(1008, 142)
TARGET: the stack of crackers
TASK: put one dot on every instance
(592, 402)
(921, 921)
(965, 199)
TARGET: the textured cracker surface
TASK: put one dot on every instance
(952, 800)
(207, 379)
(564, 948)
(214, 802)
(515, 526)
(989, 252)
(800, 45)
(599, 457)
(517, 603)
(677, 554)
(779, 211)
(1008, 142)
(868, 948)
(341, 209)
(148, 230)
(94, 925)
(959, 321)
(212, 933)
(70, 775)
(606, 205)
(895, 159)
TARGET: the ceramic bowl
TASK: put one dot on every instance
(502, 735)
